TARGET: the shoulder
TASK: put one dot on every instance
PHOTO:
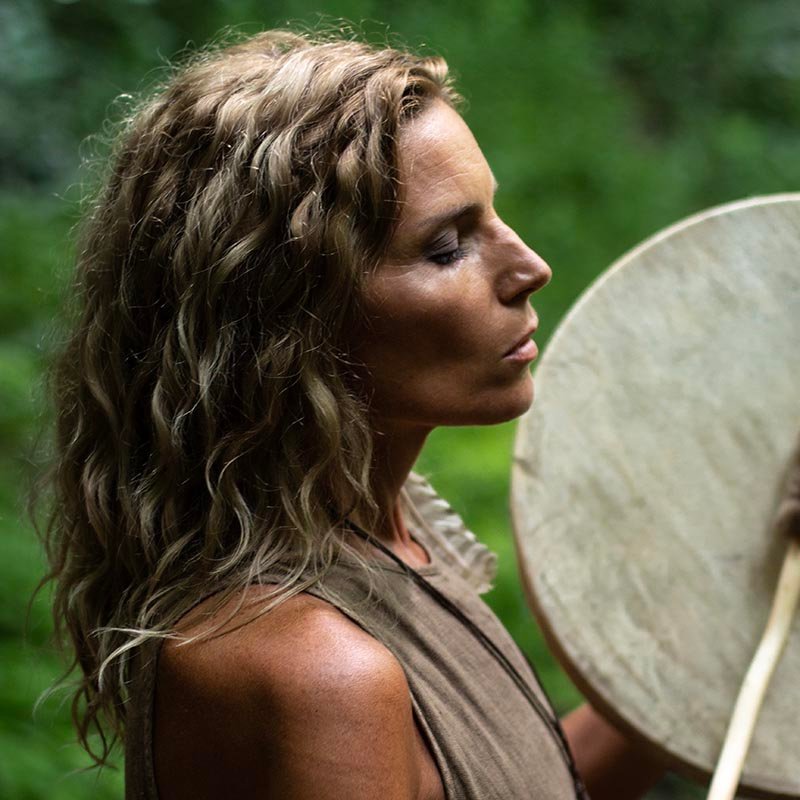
(300, 702)
(280, 656)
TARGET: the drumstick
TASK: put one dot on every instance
(754, 686)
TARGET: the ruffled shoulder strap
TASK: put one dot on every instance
(449, 538)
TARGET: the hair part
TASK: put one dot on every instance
(208, 428)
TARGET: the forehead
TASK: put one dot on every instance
(440, 165)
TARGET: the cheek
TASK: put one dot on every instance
(437, 322)
(431, 354)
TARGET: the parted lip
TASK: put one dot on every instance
(524, 338)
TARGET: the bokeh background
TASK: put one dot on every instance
(603, 120)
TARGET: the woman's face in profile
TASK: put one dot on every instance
(451, 298)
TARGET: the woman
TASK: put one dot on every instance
(293, 274)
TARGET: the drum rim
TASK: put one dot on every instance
(765, 788)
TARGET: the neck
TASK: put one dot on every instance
(396, 450)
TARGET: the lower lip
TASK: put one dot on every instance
(525, 352)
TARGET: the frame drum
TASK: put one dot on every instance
(645, 476)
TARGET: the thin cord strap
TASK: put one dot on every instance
(551, 720)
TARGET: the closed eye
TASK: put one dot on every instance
(449, 257)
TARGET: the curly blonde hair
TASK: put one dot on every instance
(208, 426)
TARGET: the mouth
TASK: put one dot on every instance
(522, 341)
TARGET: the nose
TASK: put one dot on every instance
(522, 271)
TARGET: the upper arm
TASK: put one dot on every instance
(299, 704)
(344, 729)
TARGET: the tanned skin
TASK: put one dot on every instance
(299, 704)
(302, 704)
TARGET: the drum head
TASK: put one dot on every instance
(645, 475)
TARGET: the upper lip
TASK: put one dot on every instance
(528, 333)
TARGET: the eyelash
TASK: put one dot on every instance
(450, 257)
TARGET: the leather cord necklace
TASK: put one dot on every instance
(550, 720)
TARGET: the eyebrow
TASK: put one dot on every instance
(454, 213)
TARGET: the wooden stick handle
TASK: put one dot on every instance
(748, 703)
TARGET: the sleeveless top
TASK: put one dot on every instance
(486, 739)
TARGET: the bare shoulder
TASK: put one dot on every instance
(299, 703)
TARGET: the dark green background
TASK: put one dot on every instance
(603, 120)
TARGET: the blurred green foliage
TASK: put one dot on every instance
(603, 120)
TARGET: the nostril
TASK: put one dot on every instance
(539, 273)
(518, 284)
(526, 271)
(539, 269)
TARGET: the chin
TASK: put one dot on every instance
(502, 406)
(504, 414)
(520, 400)
(467, 406)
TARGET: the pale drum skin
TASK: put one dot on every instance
(324, 709)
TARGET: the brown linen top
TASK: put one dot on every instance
(486, 739)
